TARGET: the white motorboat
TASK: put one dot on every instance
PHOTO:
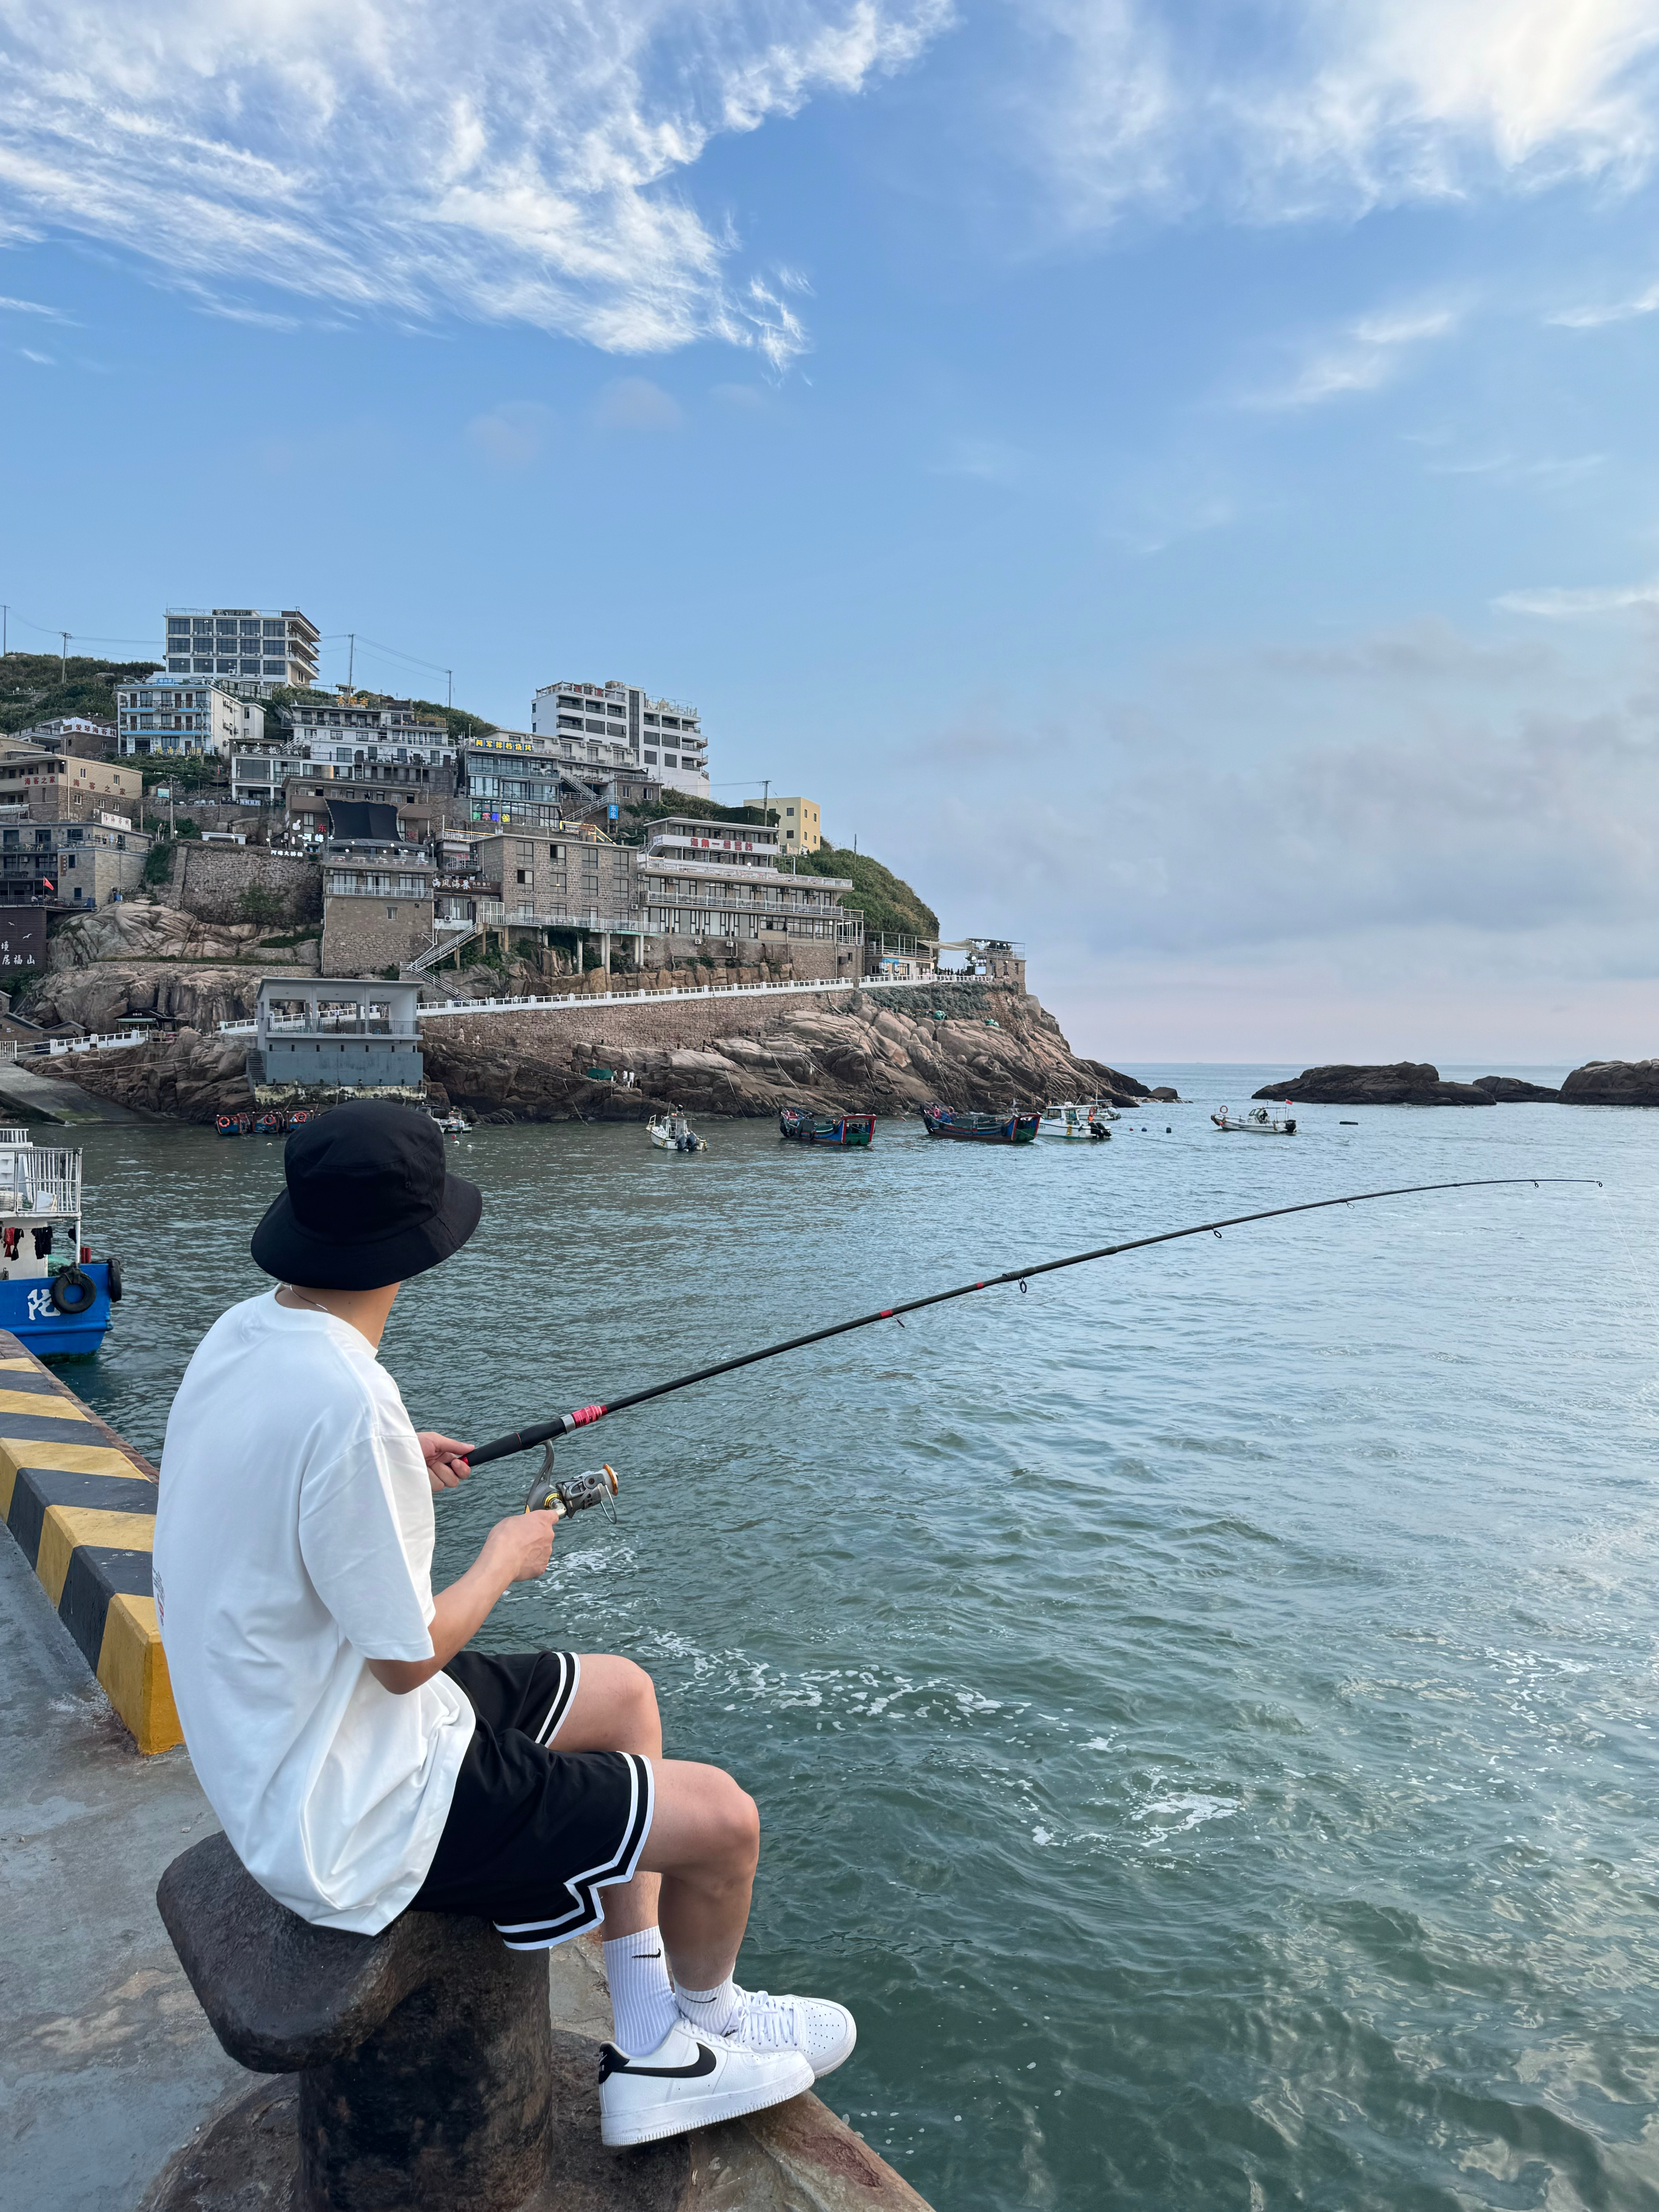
(672, 1132)
(1085, 1123)
(1258, 1123)
(453, 1124)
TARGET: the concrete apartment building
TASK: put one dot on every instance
(260, 645)
(662, 737)
(798, 824)
(423, 798)
(83, 735)
(514, 779)
(577, 881)
(377, 891)
(59, 788)
(68, 863)
(175, 714)
(314, 743)
(714, 890)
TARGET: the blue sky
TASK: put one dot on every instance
(1178, 480)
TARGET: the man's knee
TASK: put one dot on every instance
(636, 1696)
(737, 1823)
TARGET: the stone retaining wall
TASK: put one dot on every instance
(209, 880)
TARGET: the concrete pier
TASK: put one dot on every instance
(112, 2086)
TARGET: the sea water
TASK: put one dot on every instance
(1201, 1708)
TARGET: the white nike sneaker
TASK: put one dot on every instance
(691, 2080)
(823, 2032)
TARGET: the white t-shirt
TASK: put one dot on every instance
(293, 1545)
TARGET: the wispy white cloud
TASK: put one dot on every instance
(1282, 109)
(31, 307)
(1592, 318)
(44, 360)
(515, 159)
(1365, 356)
(512, 435)
(1565, 603)
(633, 403)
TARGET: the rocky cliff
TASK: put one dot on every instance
(140, 958)
(864, 1051)
(1407, 1083)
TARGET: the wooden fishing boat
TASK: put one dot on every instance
(234, 1125)
(271, 1122)
(806, 1128)
(1012, 1128)
(1258, 1123)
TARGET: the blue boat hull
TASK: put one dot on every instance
(26, 1309)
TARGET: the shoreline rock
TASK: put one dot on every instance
(863, 1052)
(1406, 1082)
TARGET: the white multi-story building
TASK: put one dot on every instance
(661, 736)
(254, 644)
(181, 715)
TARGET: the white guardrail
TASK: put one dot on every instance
(656, 998)
(102, 1041)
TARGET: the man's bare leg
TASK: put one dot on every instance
(697, 1868)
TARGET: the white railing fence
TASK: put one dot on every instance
(567, 1001)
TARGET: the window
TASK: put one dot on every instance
(671, 759)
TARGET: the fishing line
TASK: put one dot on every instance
(549, 1432)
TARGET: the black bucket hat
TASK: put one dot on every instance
(370, 1201)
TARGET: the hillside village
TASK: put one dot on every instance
(169, 836)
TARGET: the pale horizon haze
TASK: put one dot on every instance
(1176, 481)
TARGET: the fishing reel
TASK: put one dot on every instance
(577, 1493)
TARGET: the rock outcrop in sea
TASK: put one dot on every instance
(1509, 1089)
(1612, 1083)
(1406, 1083)
(875, 1051)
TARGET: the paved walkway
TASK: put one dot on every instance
(25, 1087)
(107, 2063)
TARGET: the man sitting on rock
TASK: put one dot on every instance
(362, 1761)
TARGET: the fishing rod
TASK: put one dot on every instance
(581, 1492)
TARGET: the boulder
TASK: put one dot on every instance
(1406, 1083)
(1612, 1083)
(1509, 1089)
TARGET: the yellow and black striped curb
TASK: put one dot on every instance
(81, 1505)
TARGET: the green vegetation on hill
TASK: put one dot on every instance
(636, 818)
(889, 906)
(32, 689)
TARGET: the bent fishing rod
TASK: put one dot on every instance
(598, 1488)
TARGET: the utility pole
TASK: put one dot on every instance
(5, 623)
(766, 796)
(63, 658)
(351, 660)
(450, 674)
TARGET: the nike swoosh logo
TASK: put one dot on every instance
(612, 2062)
(645, 1955)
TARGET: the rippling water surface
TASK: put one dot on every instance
(1201, 1709)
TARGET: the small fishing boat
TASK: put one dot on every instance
(672, 1132)
(1258, 1123)
(270, 1122)
(826, 1128)
(234, 1125)
(1012, 1128)
(1085, 1123)
(54, 1296)
(453, 1124)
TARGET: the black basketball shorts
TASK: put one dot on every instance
(534, 1834)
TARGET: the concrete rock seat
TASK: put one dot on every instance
(425, 2054)
(431, 2077)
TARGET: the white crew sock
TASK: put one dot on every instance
(642, 1994)
(714, 2009)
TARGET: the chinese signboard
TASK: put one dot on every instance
(22, 939)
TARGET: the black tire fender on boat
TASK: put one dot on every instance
(113, 1268)
(73, 1291)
